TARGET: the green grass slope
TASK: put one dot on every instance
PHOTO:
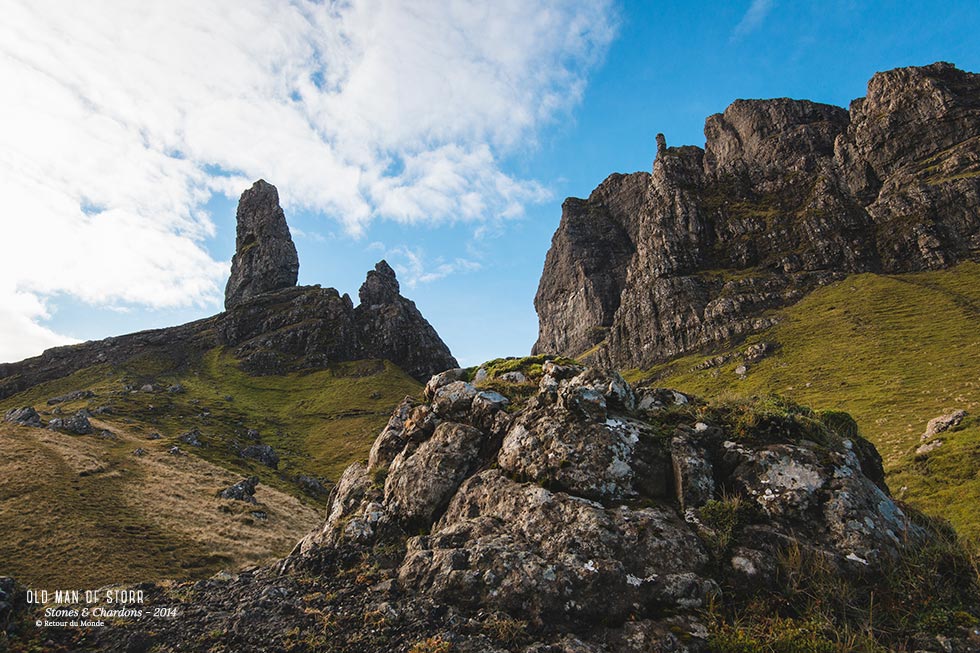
(69, 500)
(318, 422)
(83, 511)
(894, 351)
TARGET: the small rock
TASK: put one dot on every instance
(175, 451)
(77, 424)
(943, 423)
(148, 387)
(153, 436)
(513, 377)
(311, 485)
(71, 396)
(262, 453)
(455, 397)
(488, 400)
(481, 375)
(757, 352)
(927, 448)
(139, 452)
(192, 437)
(176, 389)
(561, 372)
(442, 379)
(741, 371)
(243, 490)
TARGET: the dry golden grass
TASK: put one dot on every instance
(81, 511)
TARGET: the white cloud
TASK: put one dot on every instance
(413, 267)
(21, 332)
(121, 119)
(752, 18)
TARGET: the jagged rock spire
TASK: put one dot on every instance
(380, 286)
(265, 256)
(390, 326)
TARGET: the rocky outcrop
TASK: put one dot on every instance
(272, 325)
(25, 416)
(243, 490)
(571, 511)
(593, 505)
(390, 326)
(265, 257)
(262, 453)
(785, 196)
(77, 424)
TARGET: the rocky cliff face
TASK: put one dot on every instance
(785, 196)
(569, 511)
(272, 325)
(265, 257)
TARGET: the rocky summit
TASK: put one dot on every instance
(786, 195)
(573, 512)
(265, 257)
(271, 324)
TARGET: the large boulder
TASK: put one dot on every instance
(25, 416)
(462, 534)
(584, 504)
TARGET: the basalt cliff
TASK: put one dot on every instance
(271, 324)
(786, 196)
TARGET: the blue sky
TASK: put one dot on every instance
(540, 114)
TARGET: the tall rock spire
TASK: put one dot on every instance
(265, 257)
(390, 326)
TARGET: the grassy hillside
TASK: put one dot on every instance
(83, 511)
(84, 504)
(894, 351)
(318, 422)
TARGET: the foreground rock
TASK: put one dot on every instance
(573, 512)
(785, 196)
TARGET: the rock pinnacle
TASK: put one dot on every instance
(265, 257)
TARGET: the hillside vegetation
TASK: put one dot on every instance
(84, 507)
(892, 350)
(83, 511)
